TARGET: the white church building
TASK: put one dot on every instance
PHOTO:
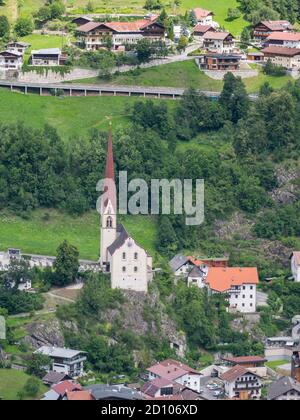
(128, 263)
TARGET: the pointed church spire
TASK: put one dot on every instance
(110, 187)
(109, 170)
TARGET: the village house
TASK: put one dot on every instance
(295, 265)
(239, 284)
(53, 378)
(50, 57)
(241, 384)
(173, 371)
(67, 361)
(204, 17)
(182, 266)
(200, 30)
(280, 348)
(11, 60)
(95, 35)
(81, 20)
(286, 57)
(255, 364)
(284, 389)
(223, 62)
(283, 39)
(17, 47)
(219, 42)
(101, 392)
(295, 371)
(129, 265)
(57, 391)
(265, 28)
(245, 361)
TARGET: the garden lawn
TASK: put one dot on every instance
(12, 382)
(46, 229)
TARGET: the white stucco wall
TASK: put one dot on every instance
(129, 267)
(295, 269)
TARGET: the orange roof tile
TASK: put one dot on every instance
(202, 13)
(284, 36)
(79, 396)
(222, 279)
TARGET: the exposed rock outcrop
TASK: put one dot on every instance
(44, 334)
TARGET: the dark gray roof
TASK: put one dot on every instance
(196, 272)
(282, 386)
(53, 378)
(113, 392)
(177, 262)
(122, 236)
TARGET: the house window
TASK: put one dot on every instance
(124, 269)
(135, 255)
(109, 222)
(124, 256)
(135, 269)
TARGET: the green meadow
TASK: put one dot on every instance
(12, 383)
(186, 74)
(46, 229)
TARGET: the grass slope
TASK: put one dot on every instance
(12, 382)
(71, 116)
(14, 8)
(186, 74)
(43, 237)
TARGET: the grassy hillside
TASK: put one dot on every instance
(46, 229)
(71, 116)
(186, 74)
(12, 382)
(13, 8)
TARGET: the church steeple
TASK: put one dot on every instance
(109, 170)
(110, 184)
(109, 206)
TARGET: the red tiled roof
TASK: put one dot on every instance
(65, 386)
(203, 28)
(79, 396)
(171, 369)
(216, 35)
(202, 13)
(134, 26)
(222, 279)
(234, 373)
(87, 27)
(277, 25)
(284, 36)
(196, 262)
(281, 51)
(152, 387)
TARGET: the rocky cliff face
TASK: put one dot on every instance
(145, 314)
(44, 334)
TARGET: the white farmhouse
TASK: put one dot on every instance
(241, 384)
(178, 372)
(203, 16)
(295, 265)
(239, 284)
(219, 42)
(11, 60)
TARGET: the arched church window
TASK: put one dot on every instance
(109, 222)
